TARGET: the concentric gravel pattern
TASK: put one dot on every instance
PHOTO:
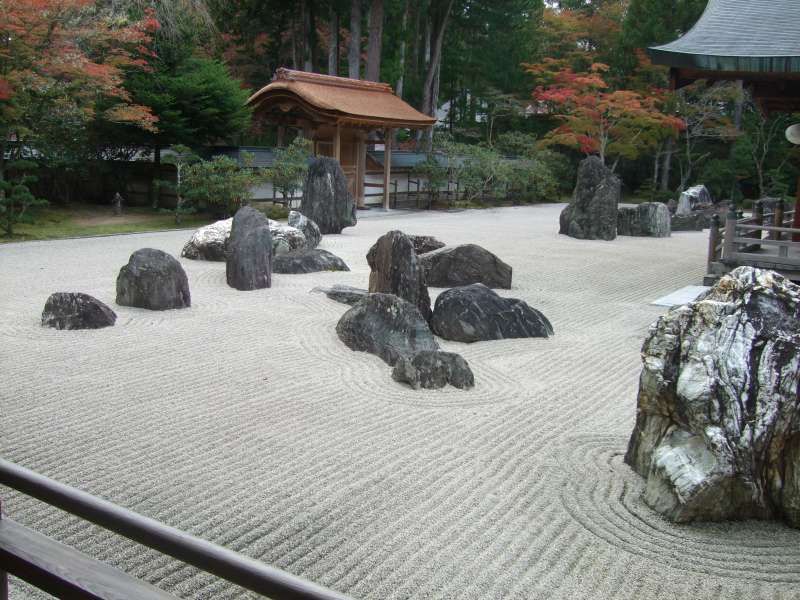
(246, 421)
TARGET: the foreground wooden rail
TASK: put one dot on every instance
(66, 573)
(764, 240)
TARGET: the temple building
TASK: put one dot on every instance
(337, 114)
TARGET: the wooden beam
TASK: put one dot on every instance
(361, 168)
(337, 144)
(387, 165)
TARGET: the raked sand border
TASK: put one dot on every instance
(245, 421)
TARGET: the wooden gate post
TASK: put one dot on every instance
(3, 574)
(729, 247)
(713, 242)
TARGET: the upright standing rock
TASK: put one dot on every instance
(717, 431)
(648, 219)
(154, 280)
(308, 227)
(326, 199)
(396, 270)
(592, 215)
(248, 264)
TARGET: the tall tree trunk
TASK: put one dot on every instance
(667, 164)
(333, 43)
(375, 41)
(354, 56)
(415, 47)
(403, 43)
(428, 90)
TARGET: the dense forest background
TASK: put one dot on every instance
(84, 80)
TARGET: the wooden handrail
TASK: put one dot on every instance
(217, 560)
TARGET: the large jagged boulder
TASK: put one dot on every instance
(648, 219)
(307, 226)
(211, 241)
(476, 313)
(717, 431)
(248, 264)
(326, 198)
(308, 261)
(395, 269)
(387, 326)
(154, 280)
(592, 214)
(434, 370)
(464, 265)
(425, 243)
(696, 198)
(66, 310)
(344, 294)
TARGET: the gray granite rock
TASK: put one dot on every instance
(693, 222)
(154, 280)
(308, 261)
(344, 294)
(387, 326)
(476, 313)
(648, 219)
(433, 370)
(307, 226)
(717, 431)
(326, 198)
(211, 241)
(248, 264)
(694, 199)
(592, 214)
(425, 243)
(395, 269)
(464, 265)
(66, 310)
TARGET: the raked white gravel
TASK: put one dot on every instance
(246, 421)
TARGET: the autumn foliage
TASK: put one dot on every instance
(67, 53)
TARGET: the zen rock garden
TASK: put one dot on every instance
(717, 431)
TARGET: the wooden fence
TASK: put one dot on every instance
(767, 240)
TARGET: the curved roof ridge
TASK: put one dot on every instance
(284, 74)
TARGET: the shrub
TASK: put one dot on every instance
(220, 182)
(16, 199)
(290, 167)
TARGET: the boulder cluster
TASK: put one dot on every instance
(393, 319)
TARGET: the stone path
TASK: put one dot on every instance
(246, 421)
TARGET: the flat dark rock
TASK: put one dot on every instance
(454, 266)
(343, 294)
(433, 370)
(425, 243)
(308, 261)
(476, 313)
(387, 326)
(154, 280)
(395, 269)
(66, 310)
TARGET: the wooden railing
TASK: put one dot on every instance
(66, 573)
(765, 239)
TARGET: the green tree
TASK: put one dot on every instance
(290, 167)
(181, 156)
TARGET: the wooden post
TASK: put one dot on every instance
(713, 242)
(796, 221)
(778, 220)
(337, 143)
(758, 219)
(3, 574)
(387, 165)
(729, 247)
(361, 169)
(281, 136)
